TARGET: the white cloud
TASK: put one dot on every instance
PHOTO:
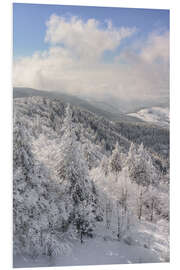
(77, 66)
(88, 39)
(156, 48)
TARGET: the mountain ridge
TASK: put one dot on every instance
(93, 106)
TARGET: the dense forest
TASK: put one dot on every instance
(78, 176)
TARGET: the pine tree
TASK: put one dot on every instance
(75, 181)
(22, 155)
(37, 214)
(131, 158)
(115, 162)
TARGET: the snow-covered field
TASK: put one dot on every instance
(156, 115)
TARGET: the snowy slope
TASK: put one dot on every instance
(156, 115)
(149, 244)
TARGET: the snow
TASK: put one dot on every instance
(94, 253)
(149, 243)
(156, 115)
(103, 184)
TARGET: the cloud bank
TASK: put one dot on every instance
(74, 62)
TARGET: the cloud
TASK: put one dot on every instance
(74, 62)
(156, 48)
(87, 39)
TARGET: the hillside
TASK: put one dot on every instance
(81, 180)
(100, 108)
(156, 115)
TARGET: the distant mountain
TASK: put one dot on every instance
(126, 106)
(104, 109)
(155, 115)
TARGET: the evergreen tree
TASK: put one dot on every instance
(22, 155)
(37, 214)
(76, 183)
(115, 162)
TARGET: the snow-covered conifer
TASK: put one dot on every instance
(75, 181)
(115, 162)
(22, 155)
(37, 212)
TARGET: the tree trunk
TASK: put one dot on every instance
(140, 205)
(81, 237)
(118, 222)
(152, 210)
(119, 229)
(108, 214)
(140, 212)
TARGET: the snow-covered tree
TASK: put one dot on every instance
(37, 215)
(151, 202)
(104, 165)
(75, 181)
(131, 156)
(142, 172)
(92, 153)
(37, 211)
(22, 155)
(141, 169)
(118, 198)
(115, 161)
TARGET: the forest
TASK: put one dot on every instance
(79, 178)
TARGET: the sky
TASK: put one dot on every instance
(103, 53)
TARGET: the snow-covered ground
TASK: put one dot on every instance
(156, 115)
(149, 243)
